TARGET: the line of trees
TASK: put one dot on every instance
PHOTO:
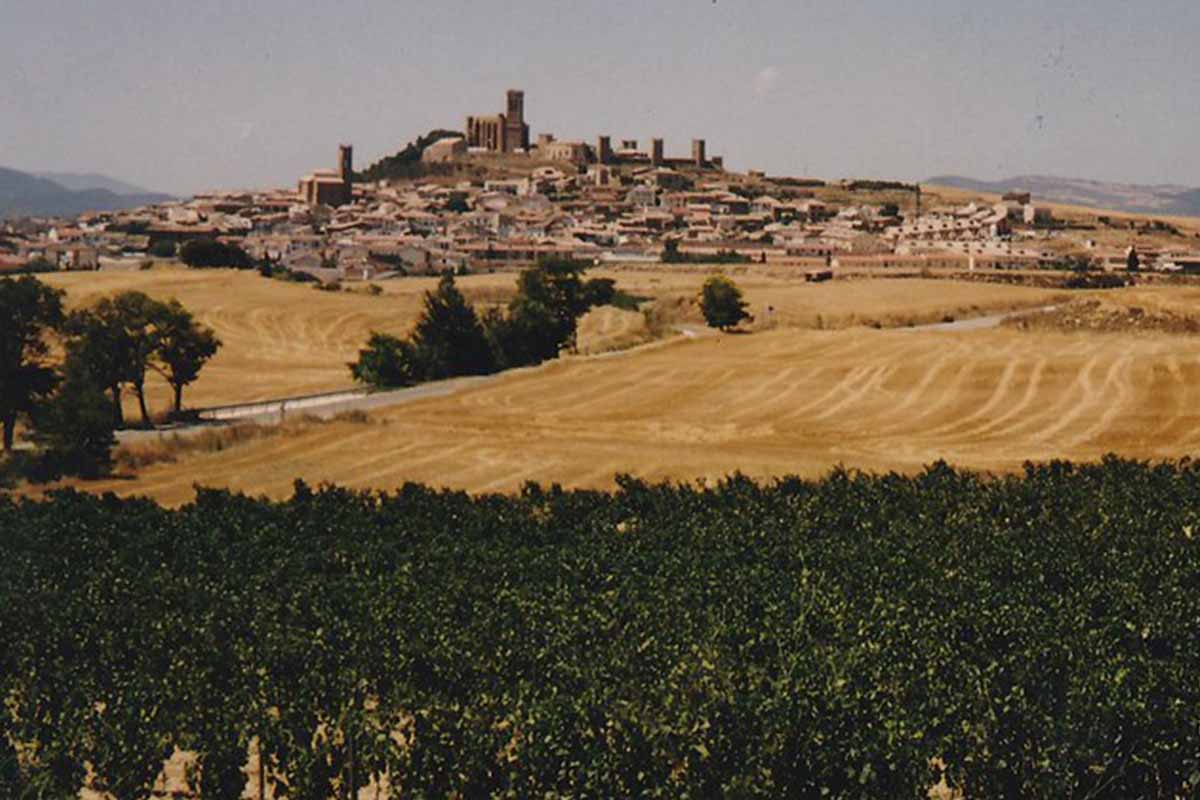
(205, 253)
(451, 339)
(671, 254)
(74, 404)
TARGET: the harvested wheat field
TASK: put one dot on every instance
(283, 339)
(766, 404)
(779, 296)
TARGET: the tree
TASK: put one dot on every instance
(182, 346)
(139, 315)
(100, 345)
(670, 252)
(448, 338)
(118, 337)
(163, 248)
(1132, 261)
(76, 426)
(386, 362)
(115, 341)
(29, 312)
(553, 290)
(211, 253)
(721, 303)
(599, 291)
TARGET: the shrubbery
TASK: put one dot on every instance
(1039, 636)
(1095, 280)
(671, 254)
(212, 253)
(163, 248)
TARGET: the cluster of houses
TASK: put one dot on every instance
(597, 212)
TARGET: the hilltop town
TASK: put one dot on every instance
(490, 196)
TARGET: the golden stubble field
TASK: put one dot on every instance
(767, 404)
(788, 398)
(283, 339)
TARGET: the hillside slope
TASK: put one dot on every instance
(25, 195)
(1167, 199)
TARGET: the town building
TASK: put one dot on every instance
(327, 187)
(501, 133)
(444, 150)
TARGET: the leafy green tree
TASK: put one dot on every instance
(163, 248)
(138, 315)
(97, 341)
(545, 312)
(38, 265)
(721, 303)
(211, 253)
(182, 346)
(387, 361)
(76, 426)
(599, 291)
(527, 334)
(670, 252)
(449, 338)
(1132, 261)
(29, 312)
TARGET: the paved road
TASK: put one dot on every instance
(274, 412)
(978, 323)
(326, 406)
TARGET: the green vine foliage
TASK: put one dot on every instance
(858, 637)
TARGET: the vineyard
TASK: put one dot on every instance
(859, 636)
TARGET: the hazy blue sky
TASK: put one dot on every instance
(183, 96)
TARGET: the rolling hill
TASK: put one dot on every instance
(25, 195)
(82, 181)
(1166, 199)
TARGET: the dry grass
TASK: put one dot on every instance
(768, 404)
(168, 448)
(605, 329)
(779, 298)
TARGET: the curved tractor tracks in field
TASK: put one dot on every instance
(327, 405)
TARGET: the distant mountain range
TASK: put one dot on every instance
(25, 195)
(1164, 199)
(82, 181)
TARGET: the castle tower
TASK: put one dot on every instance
(516, 132)
(656, 152)
(698, 152)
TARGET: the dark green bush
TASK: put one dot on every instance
(212, 253)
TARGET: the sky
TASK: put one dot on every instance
(187, 96)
